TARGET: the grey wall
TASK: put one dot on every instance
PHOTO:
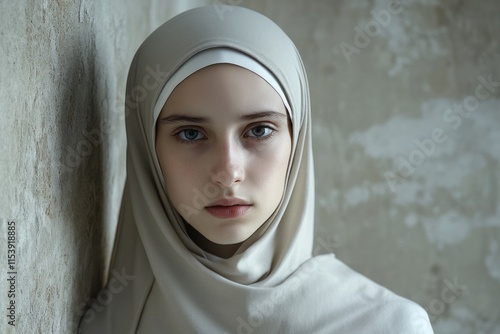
(62, 79)
(406, 139)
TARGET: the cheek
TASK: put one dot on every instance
(179, 175)
(272, 167)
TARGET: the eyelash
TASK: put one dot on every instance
(194, 141)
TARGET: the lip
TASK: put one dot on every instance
(229, 202)
(228, 208)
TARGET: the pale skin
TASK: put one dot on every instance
(224, 134)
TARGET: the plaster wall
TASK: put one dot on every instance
(62, 80)
(406, 122)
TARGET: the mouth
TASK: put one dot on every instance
(228, 208)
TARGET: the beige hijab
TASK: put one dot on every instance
(162, 282)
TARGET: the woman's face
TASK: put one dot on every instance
(223, 143)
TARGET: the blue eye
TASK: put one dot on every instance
(260, 131)
(190, 135)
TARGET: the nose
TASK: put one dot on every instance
(228, 167)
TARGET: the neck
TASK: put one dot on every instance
(222, 251)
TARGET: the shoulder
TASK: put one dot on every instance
(364, 305)
(402, 316)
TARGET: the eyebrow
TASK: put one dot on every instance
(178, 118)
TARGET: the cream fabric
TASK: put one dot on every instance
(216, 56)
(272, 284)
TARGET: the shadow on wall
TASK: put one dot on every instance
(81, 173)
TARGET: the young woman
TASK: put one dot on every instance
(217, 218)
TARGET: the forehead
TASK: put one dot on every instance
(223, 86)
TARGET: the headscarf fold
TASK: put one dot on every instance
(272, 284)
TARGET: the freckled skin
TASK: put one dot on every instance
(225, 157)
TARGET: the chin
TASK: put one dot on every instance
(230, 233)
(230, 237)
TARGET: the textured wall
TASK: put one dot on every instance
(407, 146)
(62, 79)
(406, 131)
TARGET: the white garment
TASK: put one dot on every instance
(272, 284)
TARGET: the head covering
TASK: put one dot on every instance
(217, 56)
(160, 280)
